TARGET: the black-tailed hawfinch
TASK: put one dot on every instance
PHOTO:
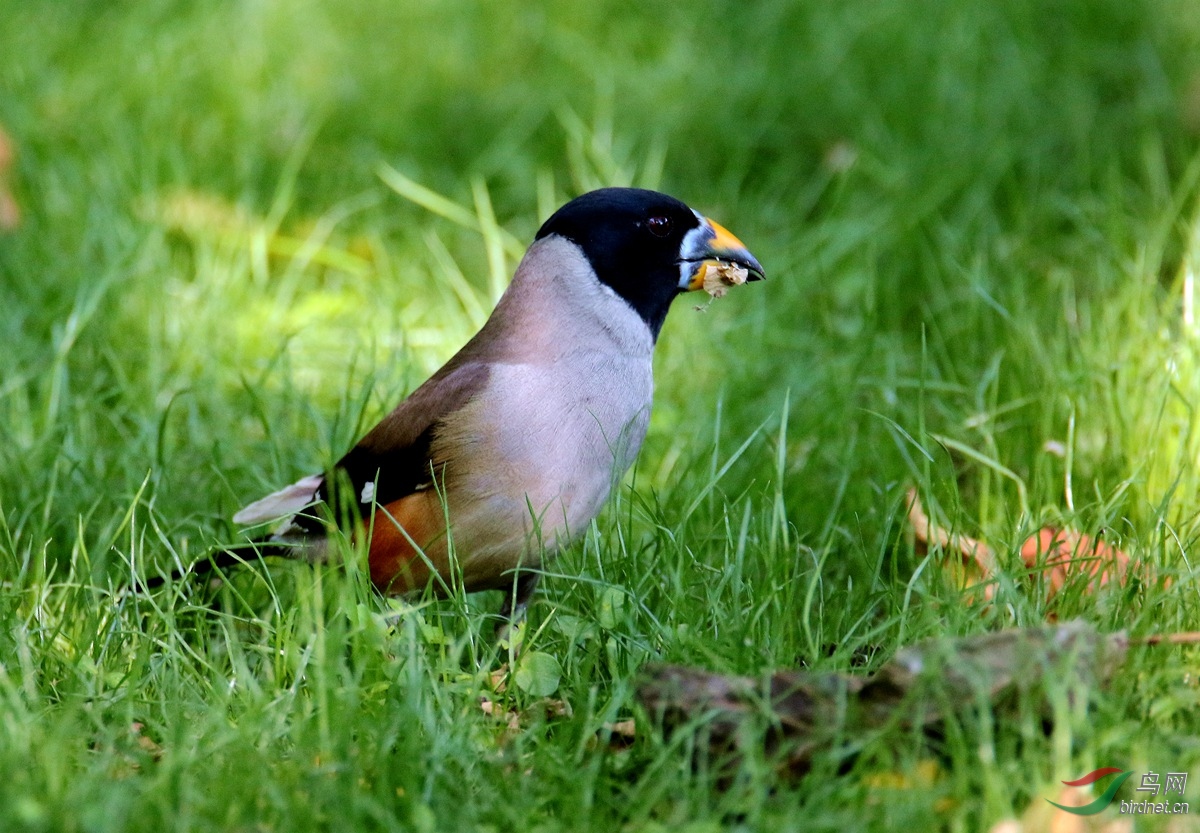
(512, 448)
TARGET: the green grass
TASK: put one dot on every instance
(214, 292)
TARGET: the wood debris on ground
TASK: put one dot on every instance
(1052, 554)
(802, 713)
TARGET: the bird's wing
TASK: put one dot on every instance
(391, 462)
(287, 501)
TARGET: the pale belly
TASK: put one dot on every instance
(549, 445)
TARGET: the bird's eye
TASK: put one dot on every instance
(659, 226)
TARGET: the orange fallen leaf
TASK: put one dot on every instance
(1057, 555)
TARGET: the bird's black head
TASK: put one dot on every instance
(647, 246)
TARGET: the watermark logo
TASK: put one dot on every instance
(1174, 782)
(1105, 798)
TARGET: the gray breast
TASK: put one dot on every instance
(534, 456)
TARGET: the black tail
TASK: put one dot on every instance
(232, 556)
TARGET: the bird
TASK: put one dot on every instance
(509, 451)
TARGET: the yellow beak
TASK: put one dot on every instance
(711, 246)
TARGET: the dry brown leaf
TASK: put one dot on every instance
(514, 721)
(510, 717)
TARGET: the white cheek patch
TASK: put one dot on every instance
(368, 493)
(692, 248)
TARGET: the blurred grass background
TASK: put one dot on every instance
(978, 221)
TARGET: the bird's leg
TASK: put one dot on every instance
(515, 603)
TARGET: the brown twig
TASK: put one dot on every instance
(1184, 638)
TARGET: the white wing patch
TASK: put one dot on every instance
(368, 492)
(285, 502)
